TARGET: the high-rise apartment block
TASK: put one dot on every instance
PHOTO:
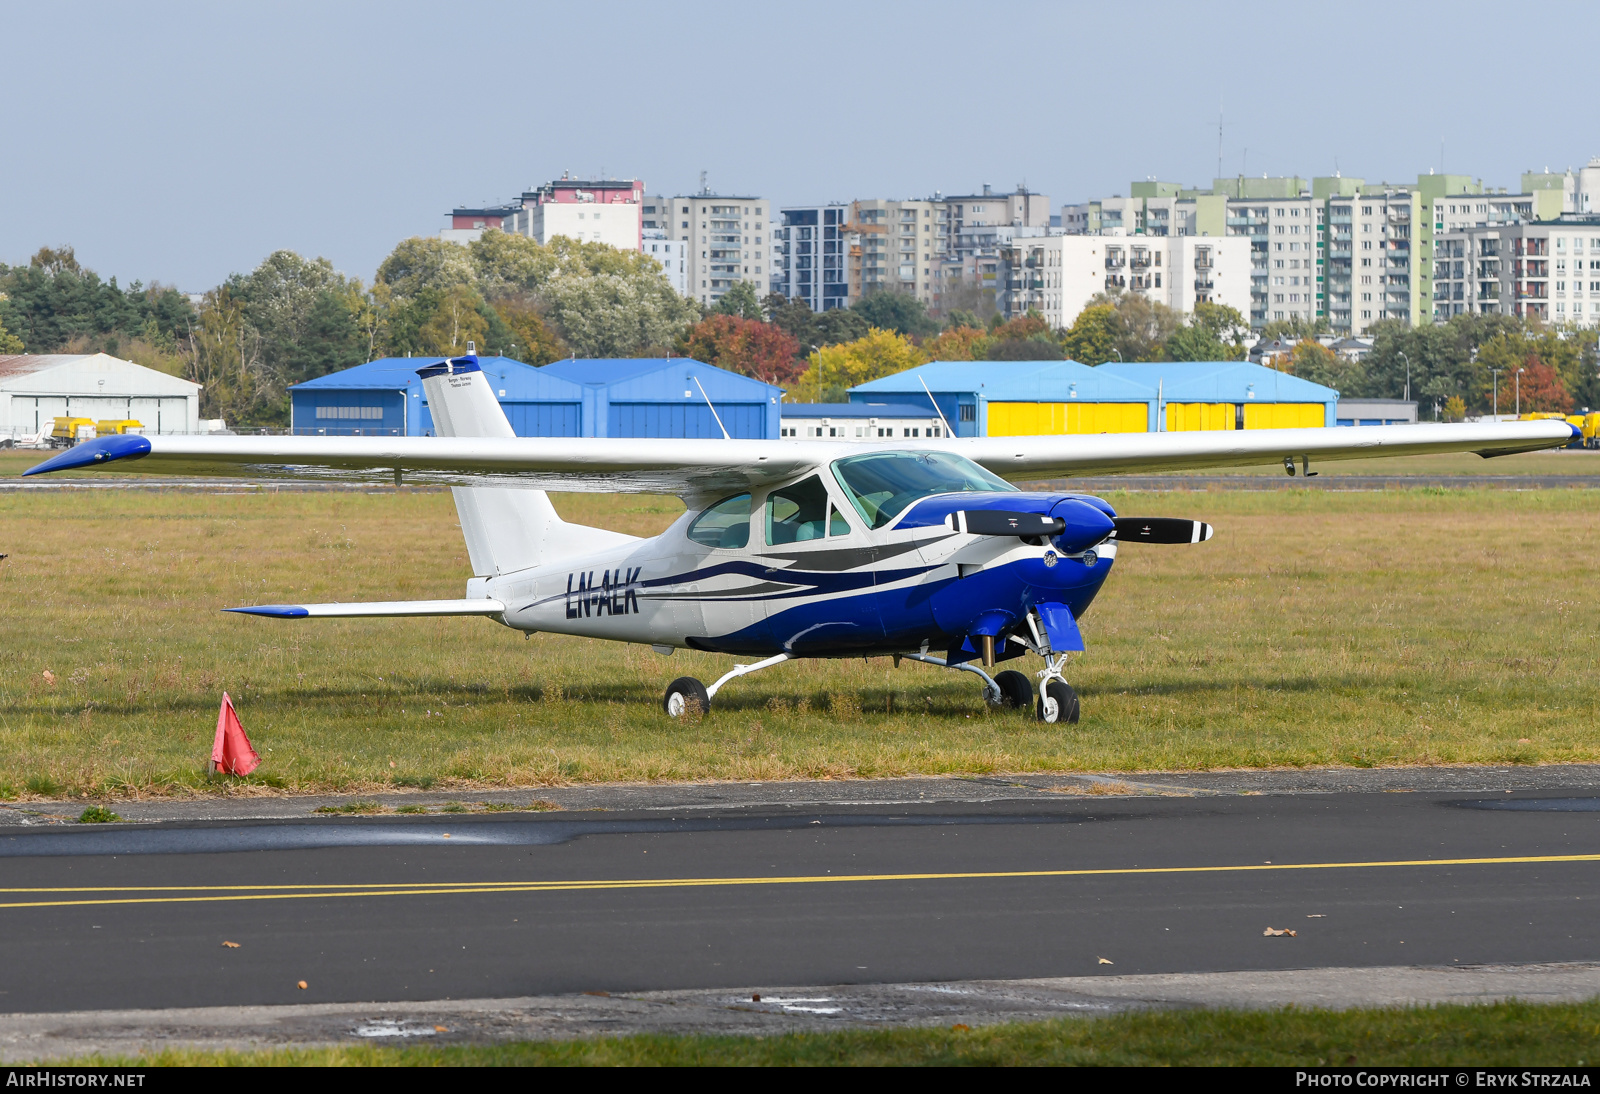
(1547, 270)
(727, 240)
(1338, 250)
(833, 255)
(810, 255)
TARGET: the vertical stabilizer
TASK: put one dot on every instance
(505, 529)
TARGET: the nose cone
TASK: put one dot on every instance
(1086, 526)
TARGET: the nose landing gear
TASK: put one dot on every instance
(1057, 701)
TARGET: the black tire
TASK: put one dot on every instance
(1016, 690)
(1065, 704)
(690, 695)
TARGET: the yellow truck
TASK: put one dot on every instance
(1587, 424)
(69, 431)
(117, 426)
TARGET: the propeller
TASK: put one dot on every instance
(1160, 530)
(999, 522)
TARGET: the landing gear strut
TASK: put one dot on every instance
(686, 691)
(1057, 701)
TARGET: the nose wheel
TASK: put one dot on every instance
(1057, 702)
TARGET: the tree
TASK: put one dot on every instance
(533, 341)
(795, 317)
(618, 314)
(1543, 389)
(54, 303)
(506, 263)
(1296, 329)
(838, 325)
(452, 321)
(421, 263)
(895, 311)
(304, 313)
(833, 369)
(223, 355)
(1455, 410)
(1215, 332)
(1311, 360)
(746, 346)
(958, 344)
(9, 343)
(739, 301)
(1092, 338)
(1141, 326)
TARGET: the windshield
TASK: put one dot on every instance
(882, 484)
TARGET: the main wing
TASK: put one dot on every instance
(1112, 453)
(665, 466)
(704, 467)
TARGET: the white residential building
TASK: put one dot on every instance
(1057, 276)
(673, 254)
(1549, 270)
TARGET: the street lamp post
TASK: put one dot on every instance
(1495, 373)
(1402, 353)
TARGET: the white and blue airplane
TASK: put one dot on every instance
(788, 548)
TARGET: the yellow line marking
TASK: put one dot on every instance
(196, 894)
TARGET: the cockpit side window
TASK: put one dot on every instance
(725, 524)
(797, 513)
(882, 484)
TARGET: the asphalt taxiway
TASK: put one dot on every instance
(968, 881)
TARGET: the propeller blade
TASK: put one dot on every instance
(999, 522)
(1161, 530)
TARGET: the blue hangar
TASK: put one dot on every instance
(627, 397)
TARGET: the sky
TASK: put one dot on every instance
(183, 142)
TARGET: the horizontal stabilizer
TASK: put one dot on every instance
(373, 608)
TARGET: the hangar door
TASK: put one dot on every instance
(746, 421)
(1042, 419)
(1184, 417)
(530, 419)
(1284, 415)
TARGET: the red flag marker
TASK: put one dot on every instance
(231, 752)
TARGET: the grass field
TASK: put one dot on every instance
(1399, 627)
(1505, 1034)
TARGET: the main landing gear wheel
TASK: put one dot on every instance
(1059, 704)
(685, 694)
(1016, 690)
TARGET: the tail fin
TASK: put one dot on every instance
(505, 529)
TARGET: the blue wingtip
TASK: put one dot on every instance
(95, 453)
(277, 611)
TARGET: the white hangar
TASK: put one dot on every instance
(35, 388)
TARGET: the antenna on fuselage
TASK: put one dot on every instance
(948, 432)
(713, 409)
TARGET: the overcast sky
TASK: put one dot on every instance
(184, 142)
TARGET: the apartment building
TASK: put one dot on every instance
(726, 236)
(810, 255)
(1057, 275)
(591, 210)
(672, 254)
(1548, 270)
(897, 247)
